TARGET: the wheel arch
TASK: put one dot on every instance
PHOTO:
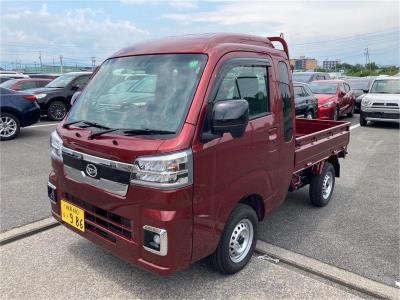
(257, 203)
(334, 161)
(12, 111)
(58, 98)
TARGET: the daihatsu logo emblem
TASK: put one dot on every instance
(91, 170)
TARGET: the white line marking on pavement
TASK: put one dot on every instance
(354, 126)
(43, 125)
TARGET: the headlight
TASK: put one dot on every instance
(366, 102)
(327, 104)
(359, 98)
(56, 145)
(40, 96)
(165, 171)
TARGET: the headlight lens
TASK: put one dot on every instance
(327, 104)
(366, 102)
(164, 172)
(359, 98)
(40, 96)
(56, 145)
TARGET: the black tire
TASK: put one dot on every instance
(57, 110)
(9, 126)
(322, 186)
(336, 114)
(351, 113)
(221, 259)
(363, 122)
(309, 115)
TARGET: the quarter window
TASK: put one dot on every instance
(249, 83)
(286, 101)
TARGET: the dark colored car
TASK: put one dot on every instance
(24, 84)
(54, 99)
(306, 103)
(335, 98)
(307, 77)
(360, 87)
(18, 109)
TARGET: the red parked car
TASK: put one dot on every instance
(186, 167)
(335, 98)
(25, 83)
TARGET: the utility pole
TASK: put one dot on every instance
(61, 64)
(53, 68)
(40, 60)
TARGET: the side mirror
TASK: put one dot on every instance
(75, 88)
(230, 116)
(365, 91)
(75, 96)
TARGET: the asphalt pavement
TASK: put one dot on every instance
(24, 170)
(359, 230)
(58, 264)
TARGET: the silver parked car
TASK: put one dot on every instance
(382, 103)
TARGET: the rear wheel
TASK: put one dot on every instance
(237, 241)
(351, 113)
(56, 110)
(321, 186)
(9, 126)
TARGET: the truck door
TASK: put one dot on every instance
(229, 169)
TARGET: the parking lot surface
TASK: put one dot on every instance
(359, 229)
(58, 264)
(24, 170)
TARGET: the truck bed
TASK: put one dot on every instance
(317, 140)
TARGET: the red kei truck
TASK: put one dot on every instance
(177, 148)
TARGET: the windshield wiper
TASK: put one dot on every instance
(87, 124)
(146, 131)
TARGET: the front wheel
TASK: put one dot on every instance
(57, 110)
(237, 241)
(363, 122)
(321, 186)
(9, 126)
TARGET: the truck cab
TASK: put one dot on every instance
(185, 161)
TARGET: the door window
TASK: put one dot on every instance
(26, 85)
(249, 83)
(286, 101)
(346, 87)
(81, 81)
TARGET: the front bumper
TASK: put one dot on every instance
(116, 223)
(325, 113)
(380, 114)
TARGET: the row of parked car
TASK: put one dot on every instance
(377, 99)
(24, 99)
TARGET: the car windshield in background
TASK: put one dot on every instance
(323, 88)
(386, 86)
(61, 81)
(301, 77)
(8, 84)
(147, 92)
(359, 84)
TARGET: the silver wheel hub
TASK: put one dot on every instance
(241, 240)
(58, 111)
(8, 126)
(327, 185)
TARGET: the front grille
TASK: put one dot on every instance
(381, 115)
(100, 221)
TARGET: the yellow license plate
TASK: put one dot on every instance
(73, 215)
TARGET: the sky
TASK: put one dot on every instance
(80, 30)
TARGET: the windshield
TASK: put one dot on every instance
(151, 92)
(9, 83)
(323, 88)
(61, 81)
(301, 77)
(386, 86)
(359, 84)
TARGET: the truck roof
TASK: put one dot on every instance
(198, 43)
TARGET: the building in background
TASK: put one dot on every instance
(330, 64)
(303, 63)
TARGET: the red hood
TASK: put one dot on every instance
(323, 98)
(127, 148)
